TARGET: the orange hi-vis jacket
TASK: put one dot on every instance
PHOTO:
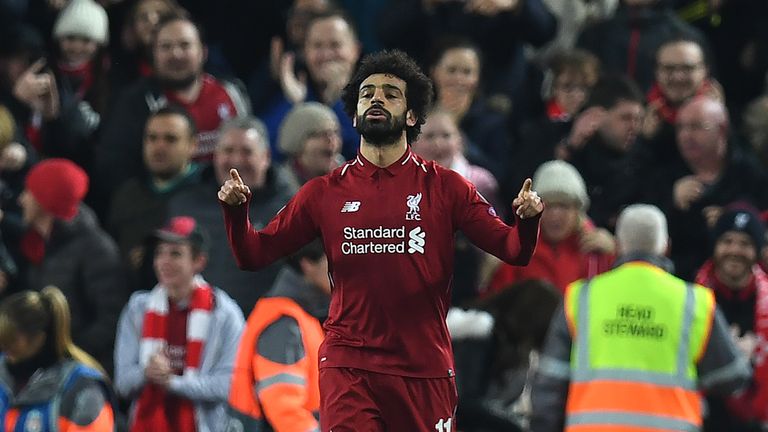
(267, 395)
(52, 396)
(638, 335)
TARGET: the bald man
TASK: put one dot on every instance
(716, 173)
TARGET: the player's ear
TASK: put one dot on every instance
(410, 118)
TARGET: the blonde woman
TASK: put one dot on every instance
(47, 383)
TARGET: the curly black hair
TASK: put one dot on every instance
(418, 87)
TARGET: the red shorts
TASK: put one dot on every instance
(354, 400)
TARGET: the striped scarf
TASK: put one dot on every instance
(150, 414)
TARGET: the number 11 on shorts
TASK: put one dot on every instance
(444, 425)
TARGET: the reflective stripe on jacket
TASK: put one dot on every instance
(638, 333)
(266, 395)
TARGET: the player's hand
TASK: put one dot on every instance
(685, 191)
(528, 203)
(234, 192)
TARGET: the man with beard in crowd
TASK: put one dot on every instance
(387, 220)
(178, 58)
(741, 291)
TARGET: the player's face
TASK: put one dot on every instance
(382, 109)
(179, 54)
(734, 255)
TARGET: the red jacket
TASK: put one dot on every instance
(559, 264)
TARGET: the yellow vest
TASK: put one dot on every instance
(638, 333)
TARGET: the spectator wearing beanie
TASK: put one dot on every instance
(741, 291)
(571, 247)
(311, 142)
(80, 66)
(64, 246)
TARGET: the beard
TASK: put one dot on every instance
(381, 133)
(176, 84)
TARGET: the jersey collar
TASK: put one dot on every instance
(407, 160)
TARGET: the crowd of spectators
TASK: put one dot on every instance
(117, 116)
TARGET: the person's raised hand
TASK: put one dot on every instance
(528, 203)
(234, 191)
(294, 86)
(33, 85)
(685, 191)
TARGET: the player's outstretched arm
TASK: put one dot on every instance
(234, 191)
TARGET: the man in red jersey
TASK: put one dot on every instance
(387, 220)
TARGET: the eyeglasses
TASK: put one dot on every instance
(686, 68)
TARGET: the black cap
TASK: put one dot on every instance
(742, 221)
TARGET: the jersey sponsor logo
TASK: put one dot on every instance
(350, 207)
(413, 207)
(383, 240)
(416, 240)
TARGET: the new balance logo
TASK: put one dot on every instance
(416, 240)
(351, 207)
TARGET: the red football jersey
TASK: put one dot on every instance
(216, 103)
(389, 236)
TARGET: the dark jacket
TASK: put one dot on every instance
(742, 180)
(501, 38)
(201, 203)
(627, 43)
(139, 208)
(119, 153)
(84, 263)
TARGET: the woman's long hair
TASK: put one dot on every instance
(31, 313)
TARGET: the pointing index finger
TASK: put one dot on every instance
(36, 66)
(527, 186)
(235, 176)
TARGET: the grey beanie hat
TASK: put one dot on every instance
(559, 178)
(301, 121)
(84, 18)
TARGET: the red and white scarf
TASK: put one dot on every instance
(753, 403)
(150, 415)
